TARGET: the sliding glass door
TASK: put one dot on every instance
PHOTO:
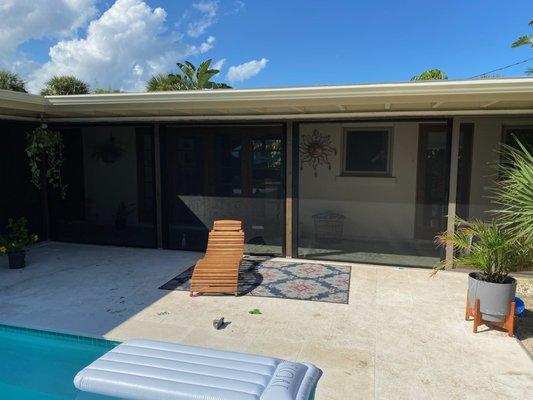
(109, 173)
(223, 172)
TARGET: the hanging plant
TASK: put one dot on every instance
(45, 153)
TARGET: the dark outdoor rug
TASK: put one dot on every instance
(263, 277)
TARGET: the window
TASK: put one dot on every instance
(367, 151)
(523, 133)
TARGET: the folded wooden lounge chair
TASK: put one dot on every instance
(218, 271)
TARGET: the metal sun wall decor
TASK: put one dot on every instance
(315, 150)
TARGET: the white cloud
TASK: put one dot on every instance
(219, 64)
(238, 5)
(209, 10)
(122, 49)
(242, 72)
(23, 20)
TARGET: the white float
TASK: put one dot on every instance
(147, 370)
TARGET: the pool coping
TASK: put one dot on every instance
(93, 340)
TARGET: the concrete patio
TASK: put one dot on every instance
(402, 335)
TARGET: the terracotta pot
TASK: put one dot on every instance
(494, 298)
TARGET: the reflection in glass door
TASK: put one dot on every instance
(224, 172)
(432, 183)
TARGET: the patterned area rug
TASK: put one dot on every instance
(260, 276)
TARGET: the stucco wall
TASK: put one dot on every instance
(375, 207)
(109, 184)
(488, 133)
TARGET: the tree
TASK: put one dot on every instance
(525, 40)
(189, 77)
(11, 81)
(431, 75)
(106, 91)
(161, 83)
(64, 85)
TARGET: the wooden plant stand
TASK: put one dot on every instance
(507, 324)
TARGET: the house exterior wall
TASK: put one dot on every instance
(376, 208)
(392, 200)
(380, 207)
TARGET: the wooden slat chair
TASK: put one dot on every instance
(218, 271)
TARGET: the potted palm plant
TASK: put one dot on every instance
(15, 241)
(494, 252)
(504, 245)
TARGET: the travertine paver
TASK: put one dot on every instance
(402, 336)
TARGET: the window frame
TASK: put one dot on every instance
(388, 170)
(507, 128)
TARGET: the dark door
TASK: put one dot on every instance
(432, 183)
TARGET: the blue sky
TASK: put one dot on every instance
(267, 43)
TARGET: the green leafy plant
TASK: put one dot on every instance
(505, 244)
(45, 153)
(17, 236)
(64, 85)
(189, 77)
(488, 247)
(163, 83)
(431, 75)
(11, 81)
(513, 192)
(255, 311)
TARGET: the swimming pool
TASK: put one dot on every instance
(41, 365)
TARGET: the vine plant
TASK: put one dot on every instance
(45, 153)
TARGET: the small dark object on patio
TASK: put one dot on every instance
(218, 323)
(255, 311)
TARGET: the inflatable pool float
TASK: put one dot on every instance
(147, 369)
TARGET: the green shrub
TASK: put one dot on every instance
(11, 81)
(488, 247)
(513, 192)
(64, 85)
(17, 236)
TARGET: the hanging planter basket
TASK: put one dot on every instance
(108, 152)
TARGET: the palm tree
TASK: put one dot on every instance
(11, 81)
(64, 85)
(189, 77)
(161, 83)
(431, 75)
(525, 40)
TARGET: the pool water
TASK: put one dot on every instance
(42, 365)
